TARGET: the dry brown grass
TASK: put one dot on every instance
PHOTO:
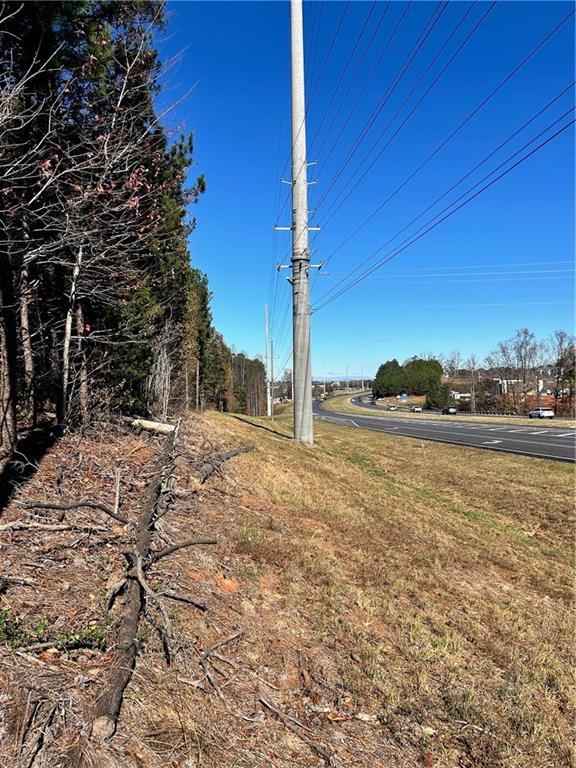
(434, 581)
(406, 602)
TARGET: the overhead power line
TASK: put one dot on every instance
(354, 77)
(393, 85)
(451, 135)
(343, 73)
(409, 59)
(418, 270)
(431, 226)
(475, 168)
(425, 210)
(347, 191)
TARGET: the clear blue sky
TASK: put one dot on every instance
(502, 262)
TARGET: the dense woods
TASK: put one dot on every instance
(100, 308)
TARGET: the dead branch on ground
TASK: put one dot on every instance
(212, 465)
(156, 556)
(108, 706)
(90, 503)
(297, 728)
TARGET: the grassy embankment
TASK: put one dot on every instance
(342, 403)
(433, 583)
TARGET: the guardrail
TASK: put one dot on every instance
(508, 414)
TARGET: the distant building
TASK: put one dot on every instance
(508, 386)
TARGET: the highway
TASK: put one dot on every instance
(543, 442)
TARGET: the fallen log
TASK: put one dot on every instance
(158, 427)
(109, 703)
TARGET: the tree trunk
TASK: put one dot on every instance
(197, 385)
(186, 387)
(83, 372)
(28, 357)
(7, 364)
(63, 401)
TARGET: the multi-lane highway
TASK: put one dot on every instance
(545, 442)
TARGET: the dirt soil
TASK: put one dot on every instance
(371, 602)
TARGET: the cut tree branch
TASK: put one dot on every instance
(77, 505)
(175, 547)
(109, 703)
(20, 525)
(211, 466)
(324, 753)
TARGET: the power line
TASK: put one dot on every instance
(287, 198)
(411, 240)
(409, 271)
(353, 80)
(471, 275)
(469, 305)
(416, 48)
(451, 135)
(419, 215)
(478, 165)
(480, 279)
(343, 73)
(369, 79)
(346, 192)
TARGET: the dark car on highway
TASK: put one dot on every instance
(449, 410)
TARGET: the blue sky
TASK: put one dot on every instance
(502, 262)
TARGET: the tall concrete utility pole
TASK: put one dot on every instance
(301, 359)
(268, 364)
(272, 379)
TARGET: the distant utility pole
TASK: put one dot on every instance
(301, 360)
(268, 364)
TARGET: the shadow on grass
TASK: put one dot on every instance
(30, 449)
(260, 426)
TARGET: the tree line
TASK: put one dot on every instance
(100, 309)
(516, 376)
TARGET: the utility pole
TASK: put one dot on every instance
(301, 359)
(268, 364)
(272, 379)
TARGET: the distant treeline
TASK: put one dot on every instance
(521, 372)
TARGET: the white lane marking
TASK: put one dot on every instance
(565, 434)
(491, 442)
(460, 434)
(537, 431)
(526, 454)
